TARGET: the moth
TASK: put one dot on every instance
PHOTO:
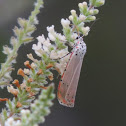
(69, 80)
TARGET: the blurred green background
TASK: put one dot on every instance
(101, 95)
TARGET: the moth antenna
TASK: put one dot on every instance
(65, 55)
(94, 22)
(92, 25)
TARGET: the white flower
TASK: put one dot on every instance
(30, 56)
(71, 18)
(23, 85)
(80, 5)
(38, 49)
(84, 3)
(37, 46)
(85, 30)
(82, 17)
(51, 37)
(58, 54)
(62, 52)
(91, 11)
(46, 49)
(51, 29)
(7, 50)
(93, 18)
(44, 41)
(74, 35)
(11, 89)
(25, 112)
(40, 52)
(54, 55)
(65, 23)
(73, 12)
(33, 66)
(10, 122)
(26, 71)
(41, 38)
(46, 45)
(42, 46)
(64, 58)
(96, 11)
(54, 35)
(102, 2)
(61, 37)
(62, 63)
(7, 75)
(17, 123)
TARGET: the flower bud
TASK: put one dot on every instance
(96, 11)
(65, 23)
(80, 5)
(73, 12)
(85, 30)
(99, 3)
(50, 29)
(71, 18)
(91, 18)
(84, 3)
(82, 17)
(51, 37)
(91, 12)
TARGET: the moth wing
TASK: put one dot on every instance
(69, 81)
(71, 92)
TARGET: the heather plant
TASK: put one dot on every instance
(38, 76)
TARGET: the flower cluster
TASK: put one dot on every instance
(45, 48)
(39, 109)
(22, 36)
(35, 78)
(11, 122)
(55, 46)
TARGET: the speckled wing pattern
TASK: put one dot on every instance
(69, 81)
